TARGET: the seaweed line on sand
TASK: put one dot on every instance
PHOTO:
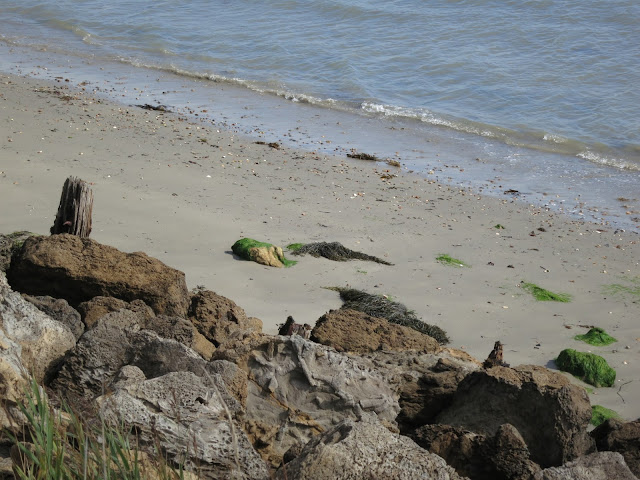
(544, 295)
(381, 307)
(333, 251)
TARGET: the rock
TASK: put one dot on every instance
(78, 269)
(623, 437)
(59, 310)
(217, 317)
(298, 389)
(30, 342)
(290, 327)
(364, 450)
(9, 244)
(502, 457)
(597, 466)
(354, 331)
(188, 417)
(261, 252)
(94, 309)
(589, 367)
(550, 413)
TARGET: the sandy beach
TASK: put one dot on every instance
(184, 192)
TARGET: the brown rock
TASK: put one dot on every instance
(217, 317)
(66, 266)
(551, 413)
(617, 436)
(92, 310)
(353, 331)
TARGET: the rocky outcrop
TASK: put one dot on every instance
(94, 309)
(298, 389)
(193, 421)
(597, 466)
(623, 437)
(30, 343)
(78, 269)
(59, 310)
(364, 449)
(216, 317)
(10, 243)
(550, 413)
(356, 332)
(504, 456)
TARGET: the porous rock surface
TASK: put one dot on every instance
(193, 420)
(78, 269)
(353, 331)
(623, 437)
(364, 449)
(30, 343)
(298, 389)
(550, 413)
(60, 310)
(596, 466)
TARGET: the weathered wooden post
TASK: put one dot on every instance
(74, 212)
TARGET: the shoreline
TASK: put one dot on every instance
(185, 192)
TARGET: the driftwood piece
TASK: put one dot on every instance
(74, 211)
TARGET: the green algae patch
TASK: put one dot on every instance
(544, 295)
(596, 336)
(632, 290)
(382, 306)
(261, 252)
(600, 414)
(295, 246)
(499, 226)
(452, 262)
(588, 367)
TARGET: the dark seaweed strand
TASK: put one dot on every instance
(394, 312)
(336, 251)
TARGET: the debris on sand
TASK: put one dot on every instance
(333, 251)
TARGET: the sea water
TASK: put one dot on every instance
(536, 96)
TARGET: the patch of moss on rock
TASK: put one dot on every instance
(590, 368)
(261, 252)
(596, 336)
(600, 414)
(543, 295)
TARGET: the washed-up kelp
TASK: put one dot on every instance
(381, 307)
(590, 368)
(596, 336)
(333, 251)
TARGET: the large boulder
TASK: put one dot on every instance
(298, 389)
(362, 450)
(623, 437)
(78, 269)
(216, 317)
(550, 413)
(597, 466)
(30, 343)
(504, 456)
(193, 420)
(353, 331)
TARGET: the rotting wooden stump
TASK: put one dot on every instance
(74, 211)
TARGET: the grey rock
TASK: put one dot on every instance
(60, 310)
(9, 244)
(363, 450)
(597, 466)
(193, 421)
(614, 435)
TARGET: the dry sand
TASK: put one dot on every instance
(185, 192)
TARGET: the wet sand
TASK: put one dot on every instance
(185, 192)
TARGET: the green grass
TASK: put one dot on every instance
(243, 247)
(596, 336)
(62, 447)
(600, 414)
(448, 260)
(543, 295)
(590, 368)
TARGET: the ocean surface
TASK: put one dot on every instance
(541, 96)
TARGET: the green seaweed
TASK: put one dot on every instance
(295, 246)
(499, 227)
(335, 251)
(448, 260)
(543, 295)
(590, 368)
(596, 336)
(620, 289)
(381, 306)
(600, 414)
(243, 246)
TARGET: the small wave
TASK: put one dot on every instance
(549, 137)
(610, 162)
